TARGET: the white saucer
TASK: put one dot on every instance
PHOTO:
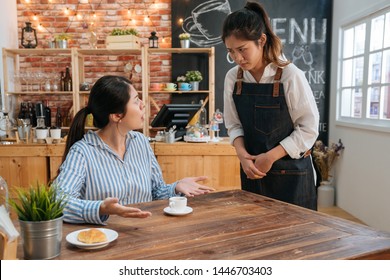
(169, 89)
(184, 89)
(72, 239)
(170, 211)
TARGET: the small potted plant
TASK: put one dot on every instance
(62, 40)
(180, 79)
(185, 40)
(194, 77)
(123, 38)
(40, 213)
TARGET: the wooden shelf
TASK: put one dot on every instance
(38, 51)
(147, 74)
(179, 50)
(179, 91)
(91, 52)
(40, 92)
(77, 57)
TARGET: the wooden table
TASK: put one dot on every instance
(235, 225)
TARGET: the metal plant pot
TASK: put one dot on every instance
(185, 44)
(194, 85)
(62, 44)
(41, 240)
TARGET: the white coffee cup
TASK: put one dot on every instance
(178, 203)
(55, 133)
(42, 133)
(171, 86)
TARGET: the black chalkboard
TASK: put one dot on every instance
(304, 27)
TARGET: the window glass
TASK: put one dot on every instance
(357, 103)
(360, 39)
(364, 91)
(374, 68)
(386, 66)
(346, 99)
(358, 71)
(386, 102)
(377, 27)
(386, 43)
(373, 102)
(348, 45)
(347, 73)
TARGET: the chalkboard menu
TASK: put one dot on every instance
(304, 27)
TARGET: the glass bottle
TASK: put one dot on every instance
(67, 80)
(62, 81)
(23, 111)
(4, 194)
(8, 125)
(47, 114)
(203, 114)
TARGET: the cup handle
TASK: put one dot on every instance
(175, 85)
(171, 204)
(189, 86)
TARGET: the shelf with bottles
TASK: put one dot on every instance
(37, 76)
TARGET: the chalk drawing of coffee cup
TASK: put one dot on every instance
(205, 24)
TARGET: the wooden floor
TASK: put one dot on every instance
(338, 212)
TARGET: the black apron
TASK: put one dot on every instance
(266, 121)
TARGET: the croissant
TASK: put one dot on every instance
(91, 236)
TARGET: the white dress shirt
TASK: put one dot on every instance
(300, 101)
(92, 172)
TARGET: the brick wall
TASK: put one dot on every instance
(48, 18)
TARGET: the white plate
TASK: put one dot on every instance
(72, 239)
(170, 211)
(170, 89)
(197, 140)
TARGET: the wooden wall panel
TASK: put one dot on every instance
(223, 171)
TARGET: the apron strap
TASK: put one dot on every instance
(240, 76)
(277, 77)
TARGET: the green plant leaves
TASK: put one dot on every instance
(119, 31)
(40, 203)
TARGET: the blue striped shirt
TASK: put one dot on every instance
(92, 172)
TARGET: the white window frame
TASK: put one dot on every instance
(363, 122)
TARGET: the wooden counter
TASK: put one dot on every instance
(217, 160)
(233, 225)
(24, 164)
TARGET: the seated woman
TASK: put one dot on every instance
(105, 170)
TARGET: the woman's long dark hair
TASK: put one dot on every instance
(250, 23)
(109, 95)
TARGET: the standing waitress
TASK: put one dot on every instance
(270, 111)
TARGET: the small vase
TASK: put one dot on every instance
(325, 194)
(185, 44)
(62, 44)
(194, 85)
